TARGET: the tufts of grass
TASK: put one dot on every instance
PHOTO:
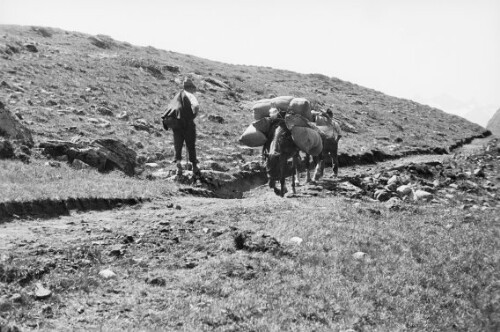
(24, 182)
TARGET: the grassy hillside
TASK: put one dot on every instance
(81, 86)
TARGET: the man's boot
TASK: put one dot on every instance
(196, 170)
(179, 168)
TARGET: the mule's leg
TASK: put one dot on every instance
(335, 159)
(320, 166)
(283, 167)
(308, 171)
(295, 172)
(296, 162)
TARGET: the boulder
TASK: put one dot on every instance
(11, 128)
(6, 149)
(104, 154)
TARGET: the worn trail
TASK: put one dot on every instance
(87, 226)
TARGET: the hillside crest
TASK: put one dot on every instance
(73, 86)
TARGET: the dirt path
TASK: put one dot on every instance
(90, 226)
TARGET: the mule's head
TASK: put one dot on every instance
(273, 166)
(273, 153)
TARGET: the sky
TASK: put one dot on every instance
(442, 53)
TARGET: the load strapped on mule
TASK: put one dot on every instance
(267, 110)
(294, 116)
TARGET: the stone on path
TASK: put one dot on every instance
(107, 274)
(42, 292)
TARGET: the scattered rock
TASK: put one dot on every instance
(47, 311)
(104, 111)
(216, 118)
(116, 251)
(479, 172)
(78, 164)
(350, 189)
(359, 255)
(156, 281)
(123, 116)
(151, 165)
(107, 274)
(54, 164)
(249, 241)
(161, 174)
(17, 298)
(31, 48)
(382, 195)
(296, 240)
(419, 195)
(404, 190)
(393, 203)
(216, 82)
(142, 124)
(41, 292)
(5, 304)
(394, 180)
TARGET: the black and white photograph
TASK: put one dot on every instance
(250, 165)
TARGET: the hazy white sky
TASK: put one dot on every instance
(440, 52)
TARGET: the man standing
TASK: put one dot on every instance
(186, 132)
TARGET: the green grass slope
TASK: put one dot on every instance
(85, 87)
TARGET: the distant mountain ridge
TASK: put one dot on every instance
(73, 86)
(470, 110)
(494, 123)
